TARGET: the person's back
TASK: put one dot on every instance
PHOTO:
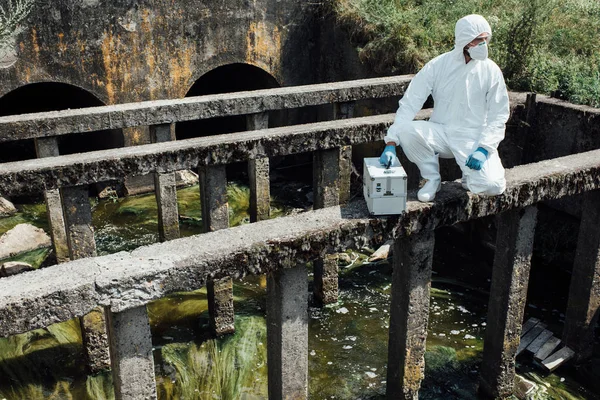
(468, 119)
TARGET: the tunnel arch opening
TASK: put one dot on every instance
(237, 77)
(54, 96)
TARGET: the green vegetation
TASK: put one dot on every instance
(545, 46)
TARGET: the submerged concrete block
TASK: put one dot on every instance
(220, 306)
(13, 268)
(508, 294)
(287, 333)
(409, 315)
(583, 308)
(95, 340)
(131, 355)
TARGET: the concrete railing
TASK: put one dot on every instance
(122, 284)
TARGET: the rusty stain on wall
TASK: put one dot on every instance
(263, 46)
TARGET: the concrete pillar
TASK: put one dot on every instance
(326, 279)
(583, 308)
(80, 237)
(131, 354)
(287, 333)
(326, 194)
(220, 306)
(95, 340)
(508, 295)
(78, 221)
(409, 315)
(213, 196)
(165, 188)
(343, 111)
(48, 147)
(215, 215)
(258, 174)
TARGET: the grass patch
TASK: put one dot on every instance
(545, 46)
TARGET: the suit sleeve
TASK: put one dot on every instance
(418, 90)
(498, 111)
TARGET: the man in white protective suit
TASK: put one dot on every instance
(469, 115)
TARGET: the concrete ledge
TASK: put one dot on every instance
(124, 281)
(27, 126)
(35, 175)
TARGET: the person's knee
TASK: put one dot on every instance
(409, 134)
(488, 187)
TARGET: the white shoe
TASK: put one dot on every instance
(429, 190)
(430, 170)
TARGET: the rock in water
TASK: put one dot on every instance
(6, 208)
(14, 268)
(186, 178)
(383, 252)
(23, 238)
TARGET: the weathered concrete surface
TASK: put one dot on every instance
(220, 306)
(131, 354)
(213, 198)
(95, 340)
(22, 238)
(508, 295)
(78, 221)
(260, 188)
(326, 279)
(287, 332)
(326, 166)
(6, 208)
(156, 112)
(258, 174)
(166, 200)
(128, 280)
(563, 128)
(56, 221)
(409, 315)
(583, 309)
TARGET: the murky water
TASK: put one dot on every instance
(347, 341)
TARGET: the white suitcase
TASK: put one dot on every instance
(384, 189)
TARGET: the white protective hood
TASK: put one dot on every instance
(468, 28)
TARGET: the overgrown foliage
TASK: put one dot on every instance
(546, 46)
(12, 13)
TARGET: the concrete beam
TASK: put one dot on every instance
(409, 315)
(128, 280)
(55, 123)
(33, 176)
(287, 333)
(508, 295)
(583, 309)
(131, 354)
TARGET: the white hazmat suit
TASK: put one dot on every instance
(470, 111)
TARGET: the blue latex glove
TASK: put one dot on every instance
(476, 160)
(388, 155)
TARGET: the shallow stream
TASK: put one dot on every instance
(347, 341)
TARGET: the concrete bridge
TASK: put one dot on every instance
(119, 286)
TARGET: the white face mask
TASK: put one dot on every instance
(479, 52)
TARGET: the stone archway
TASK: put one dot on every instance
(54, 96)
